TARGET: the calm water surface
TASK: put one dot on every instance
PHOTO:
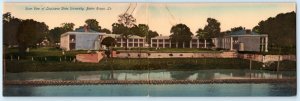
(152, 75)
(245, 89)
(155, 90)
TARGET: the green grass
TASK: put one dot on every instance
(141, 64)
(181, 50)
(40, 52)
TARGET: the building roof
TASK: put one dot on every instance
(97, 33)
(78, 33)
(245, 33)
(82, 29)
(168, 37)
(118, 35)
(161, 37)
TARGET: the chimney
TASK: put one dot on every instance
(160, 34)
(86, 28)
(248, 31)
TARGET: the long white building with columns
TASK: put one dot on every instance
(165, 42)
(242, 40)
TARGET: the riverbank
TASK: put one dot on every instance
(96, 82)
(144, 64)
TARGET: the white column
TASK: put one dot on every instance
(157, 43)
(262, 44)
(223, 43)
(176, 44)
(204, 43)
(191, 43)
(183, 44)
(138, 42)
(133, 42)
(163, 43)
(231, 43)
(170, 43)
(266, 44)
(197, 43)
(127, 43)
(227, 43)
(121, 42)
(151, 43)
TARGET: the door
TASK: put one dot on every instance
(72, 46)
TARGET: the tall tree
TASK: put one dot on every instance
(181, 34)
(213, 27)
(125, 27)
(68, 26)
(237, 28)
(10, 29)
(29, 33)
(109, 41)
(7, 16)
(150, 35)
(125, 32)
(281, 30)
(142, 30)
(104, 30)
(93, 24)
(54, 34)
(201, 34)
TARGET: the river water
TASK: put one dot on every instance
(244, 89)
(150, 75)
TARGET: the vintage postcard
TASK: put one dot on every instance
(149, 49)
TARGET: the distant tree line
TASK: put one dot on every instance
(28, 33)
(24, 33)
(281, 30)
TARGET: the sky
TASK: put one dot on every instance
(159, 16)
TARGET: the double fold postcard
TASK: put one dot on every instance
(149, 49)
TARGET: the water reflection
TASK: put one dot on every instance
(265, 89)
(152, 75)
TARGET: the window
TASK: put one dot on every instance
(72, 38)
(154, 45)
(130, 45)
(119, 39)
(194, 40)
(141, 45)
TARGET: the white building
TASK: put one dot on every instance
(165, 42)
(243, 40)
(80, 41)
(91, 40)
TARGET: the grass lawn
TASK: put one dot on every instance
(141, 64)
(40, 52)
(179, 50)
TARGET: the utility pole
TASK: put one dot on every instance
(278, 62)
(250, 64)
